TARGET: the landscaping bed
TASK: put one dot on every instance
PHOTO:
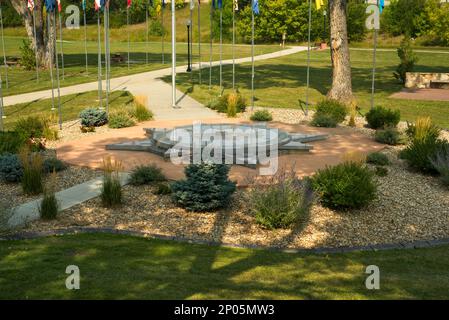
(409, 207)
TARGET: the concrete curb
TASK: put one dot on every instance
(27, 235)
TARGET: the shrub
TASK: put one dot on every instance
(333, 108)
(221, 104)
(408, 59)
(111, 191)
(323, 120)
(261, 115)
(378, 158)
(53, 165)
(10, 142)
(440, 162)
(380, 117)
(32, 172)
(146, 175)
(141, 113)
(34, 127)
(10, 168)
(348, 185)
(49, 206)
(282, 203)
(28, 57)
(390, 136)
(156, 28)
(205, 188)
(163, 188)
(231, 107)
(5, 214)
(424, 146)
(121, 119)
(381, 171)
(92, 117)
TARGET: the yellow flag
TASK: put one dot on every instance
(319, 3)
(158, 9)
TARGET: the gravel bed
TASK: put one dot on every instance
(410, 207)
(11, 193)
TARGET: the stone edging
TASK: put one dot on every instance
(323, 250)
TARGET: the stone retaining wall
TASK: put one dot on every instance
(421, 80)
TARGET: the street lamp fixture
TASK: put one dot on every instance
(189, 68)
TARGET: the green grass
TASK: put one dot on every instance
(71, 105)
(120, 267)
(281, 82)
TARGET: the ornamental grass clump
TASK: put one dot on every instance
(146, 174)
(32, 182)
(440, 162)
(49, 206)
(111, 192)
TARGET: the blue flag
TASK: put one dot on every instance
(220, 4)
(213, 4)
(256, 6)
(50, 5)
(381, 5)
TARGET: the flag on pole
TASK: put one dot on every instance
(98, 4)
(83, 5)
(192, 4)
(220, 4)
(236, 5)
(128, 3)
(319, 4)
(381, 5)
(59, 5)
(31, 5)
(256, 6)
(50, 5)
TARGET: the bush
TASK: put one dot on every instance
(381, 171)
(141, 113)
(390, 136)
(323, 120)
(281, 204)
(10, 168)
(111, 191)
(348, 185)
(28, 57)
(377, 158)
(231, 107)
(92, 117)
(261, 115)
(146, 175)
(333, 108)
(380, 118)
(440, 162)
(221, 104)
(10, 142)
(32, 172)
(205, 188)
(408, 59)
(156, 28)
(35, 127)
(53, 165)
(49, 206)
(121, 119)
(163, 188)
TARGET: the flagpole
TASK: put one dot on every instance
(221, 48)
(106, 58)
(233, 44)
(146, 33)
(252, 55)
(127, 28)
(57, 73)
(374, 64)
(109, 54)
(100, 99)
(173, 53)
(1, 104)
(85, 40)
(163, 32)
(35, 47)
(199, 40)
(308, 57)
(49, 28)
(62, 45)
(210, 46)
(4, 52)
(191, 40)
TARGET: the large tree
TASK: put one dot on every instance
(41, 42)
(341, 65)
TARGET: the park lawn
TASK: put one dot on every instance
(124, 267)
(22, 81)
(71, 106)
(281, 82)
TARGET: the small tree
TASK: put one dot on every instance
(408, 59)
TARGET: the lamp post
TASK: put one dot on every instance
(324, 23)
(189, 69)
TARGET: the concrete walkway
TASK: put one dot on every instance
(158, 92)
(66, 198)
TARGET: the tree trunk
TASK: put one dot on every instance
(40, 43)
(341, 65)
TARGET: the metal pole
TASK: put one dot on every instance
(252, 55)
(100, 89)
(62, 46)
(106, 58)
(210, 46)
(35, 47)
(57, 73)
(199, 41)
(173, 53)
(49, 28)
(109, 54)
(189, 69)
(233, 44)
(127, 28)
(4, 52)
(189, 43)
(308, 57)
(146, 33)
(85, 42)
(374, 66)
(1, 104)
(163, 33)
(221, 49)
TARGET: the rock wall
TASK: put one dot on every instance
(420, 80)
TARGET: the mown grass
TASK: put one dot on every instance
(281, 82)
(121, 267)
